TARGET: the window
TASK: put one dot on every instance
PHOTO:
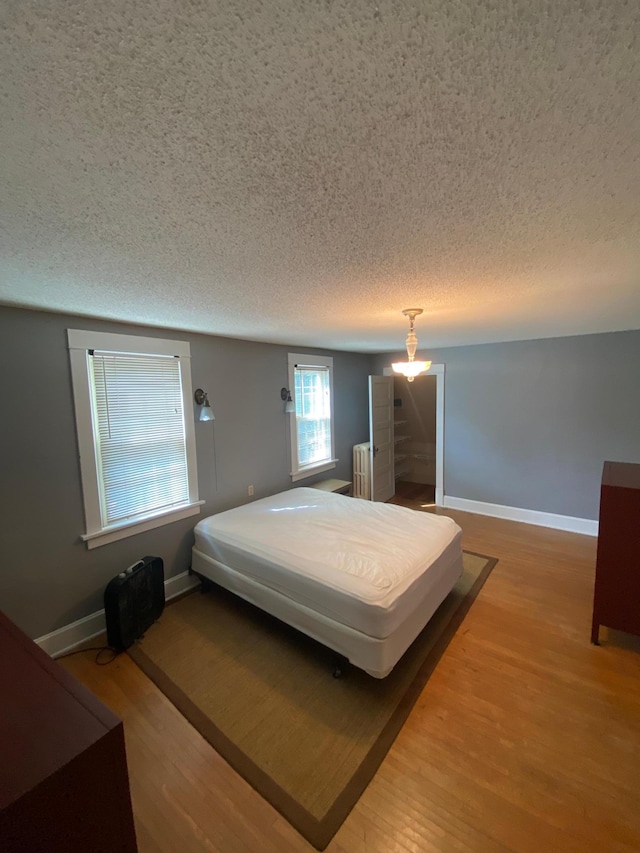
(137, 446)
(312, 445)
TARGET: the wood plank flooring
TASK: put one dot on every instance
(526, 737)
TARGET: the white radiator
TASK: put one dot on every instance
(362, 471)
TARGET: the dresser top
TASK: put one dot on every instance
(625, 475)
(47, 717)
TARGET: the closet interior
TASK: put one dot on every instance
(415, 437)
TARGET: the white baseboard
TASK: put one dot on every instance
(66, 639)
(528, 516)
(178, 584)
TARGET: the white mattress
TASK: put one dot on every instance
(362, 564)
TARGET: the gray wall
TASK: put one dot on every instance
(529, 424)
(48, 578)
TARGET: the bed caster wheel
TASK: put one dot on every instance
(340, 667)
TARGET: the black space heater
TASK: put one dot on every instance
(133, 601)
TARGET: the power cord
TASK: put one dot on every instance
(99, 650)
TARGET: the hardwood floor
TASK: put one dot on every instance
(526, 737)
(415, 493)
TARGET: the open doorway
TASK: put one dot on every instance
(415, 405)
(435, 374)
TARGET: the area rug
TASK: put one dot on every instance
(265, 697)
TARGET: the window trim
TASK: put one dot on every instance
(297, 473)
(78, 343)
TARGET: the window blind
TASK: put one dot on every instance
(313, 414)
(139, 434)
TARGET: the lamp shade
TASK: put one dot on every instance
(289, 405)
(411, 369)
(202, 400)
(206, 412)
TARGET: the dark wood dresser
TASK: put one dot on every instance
(64, 785)
(616, 600)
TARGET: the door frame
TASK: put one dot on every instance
(437, 370)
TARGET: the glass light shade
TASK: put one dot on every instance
(206, 412)
(289, 405)
(411, 369)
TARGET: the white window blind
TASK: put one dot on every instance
(139, 434)
(136, 433)
(313, 414)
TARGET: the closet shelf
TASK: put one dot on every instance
(400, 438)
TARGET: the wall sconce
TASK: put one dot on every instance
(206, 412)
(289, 405)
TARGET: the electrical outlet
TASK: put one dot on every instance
(250, 491)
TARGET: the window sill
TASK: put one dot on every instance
(131, 528)
(316, 469)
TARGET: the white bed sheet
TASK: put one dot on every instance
(364, 565)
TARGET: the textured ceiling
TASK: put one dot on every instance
(301, 172)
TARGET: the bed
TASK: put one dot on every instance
(362, 578)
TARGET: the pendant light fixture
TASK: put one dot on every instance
(411, 368)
